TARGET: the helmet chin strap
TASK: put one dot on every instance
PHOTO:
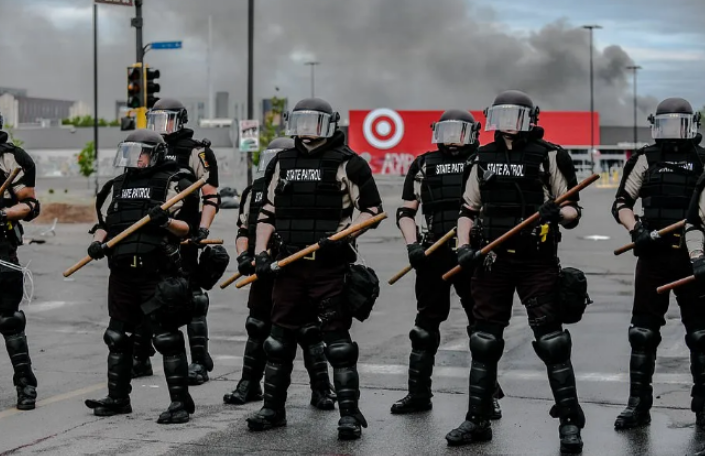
(311, 144)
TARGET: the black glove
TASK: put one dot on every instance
(469, 258)
(200, 235)
(641, 237)
(263, 264)
(550, 212)
(158, 217)
(244, 264)
(417, 255)
(699, 269)
(333, 247)
(97, 250)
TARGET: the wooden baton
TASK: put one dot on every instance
(529, 221)
(670, 228)
(312, 248)
(678, 283)
(435, 246)
(204, 242)
(139, 224)
(234, 277)
(8, 181)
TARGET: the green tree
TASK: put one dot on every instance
(86, 159)
(87, 121)
(13, 139)
(271, 128)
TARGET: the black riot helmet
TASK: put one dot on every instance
(674, 120)
(273, 148)
(167, 116)
(2, 121)
(455, 132)
(511, 111)
(141, 149)
(312, 117)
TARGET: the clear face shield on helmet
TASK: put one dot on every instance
(674, 126)
(309, 123)
(509, 118)
(163, 122)
(454, 132)
(135, 155)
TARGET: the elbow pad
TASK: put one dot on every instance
(242, 232)
(269, 217)
(574, 223)
(469, 213)
(34, 208)
(207, 201)
(405, 212)
(619, 204)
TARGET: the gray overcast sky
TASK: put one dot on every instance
(404, 54)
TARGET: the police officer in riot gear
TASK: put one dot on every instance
(664, 175)
(146, 280)
(18, 203)
(168, 117)
(258, 324)
(312, 191)
(510, 179)
(435, 181)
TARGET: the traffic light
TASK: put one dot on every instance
(135, 88)
(151, 86)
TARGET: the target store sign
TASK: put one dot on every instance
(390, 140)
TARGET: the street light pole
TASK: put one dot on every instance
(312, 65)
(96, 158)
(250, 74)
(634, 68)
(592, 97)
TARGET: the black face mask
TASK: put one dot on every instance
(455, 151)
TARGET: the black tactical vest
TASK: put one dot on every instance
(669, 183)
(257, 194)
(441, 191)
(512, 189)
(132, 198)
(308, 198)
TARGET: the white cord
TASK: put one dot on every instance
(28, 279)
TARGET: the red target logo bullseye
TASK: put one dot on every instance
(383, 128)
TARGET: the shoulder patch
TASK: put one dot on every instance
(204, 160)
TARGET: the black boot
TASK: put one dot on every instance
(182, 405)
(486, 347)
(317, 366)
(424, 345)
(201, 361)
(142, 350)
(642, 364)
(119, 375)
(280, 348)
(342, 353)
(496, 409)
(696, 343)
(24, 380)
(248, 388)
(554, 350)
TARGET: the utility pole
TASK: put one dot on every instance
(137, 22)
(634, 68)
(250, 75)
(313, 76)
(592, 98)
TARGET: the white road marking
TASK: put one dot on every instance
(48, 305)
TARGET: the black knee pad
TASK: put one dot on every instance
(169, 343)
(486, 347)
(645, 339)
(256, 329)
(200, 303)
(424, 340)
(309, 334)
(343, 353)
(280, 346)
(117, 341)
(695, 340)
(554, 348)
(12, 323)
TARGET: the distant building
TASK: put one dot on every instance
(14, 92)
(80, 109)
(19, 109)
(222, 102)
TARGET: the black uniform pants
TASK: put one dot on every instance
(653, 271)
(433, 293)
(535, 281)
(127, 291)
(260, 299)
(308, 290)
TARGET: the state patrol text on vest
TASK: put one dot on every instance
(504, 169)
(303, 175)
